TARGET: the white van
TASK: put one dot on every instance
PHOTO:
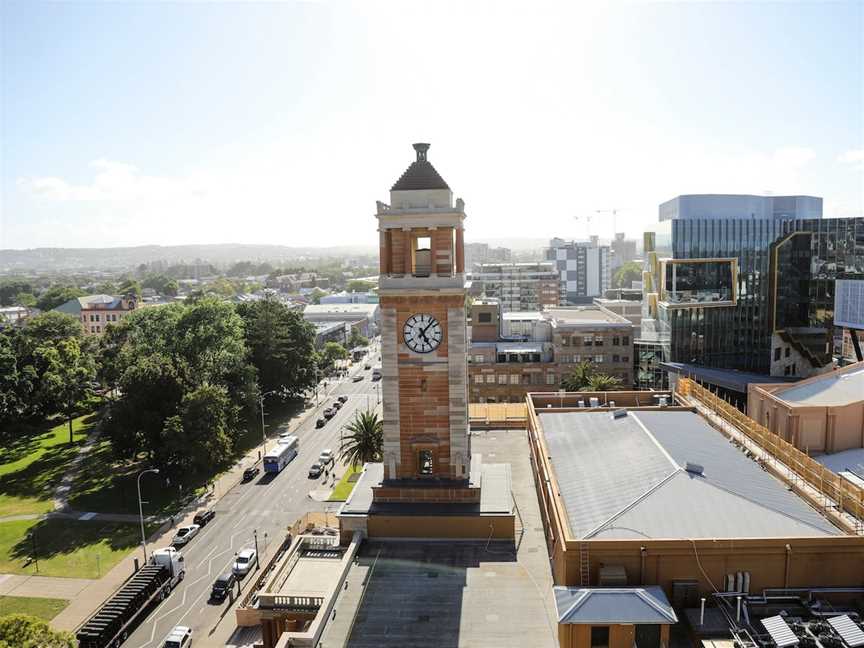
(179, 637)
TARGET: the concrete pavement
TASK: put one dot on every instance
(42, 586)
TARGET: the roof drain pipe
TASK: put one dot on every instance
(788, 566)
(643, 553)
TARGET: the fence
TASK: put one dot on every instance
(846, 497)
(497, 414)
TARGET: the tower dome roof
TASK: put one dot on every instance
(421, 174)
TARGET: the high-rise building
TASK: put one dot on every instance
(482, 253)
(518, 286)
(750, 290)
(583, 268)
(623, 250)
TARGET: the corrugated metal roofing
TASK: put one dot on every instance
(780, 632)
(848, 630)
(625, 478)
(608, 605)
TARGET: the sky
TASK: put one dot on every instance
(134, 123)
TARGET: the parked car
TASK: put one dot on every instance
(329, 413)
(203, 517)
(185, 534)
(343, 399)
(326, 457)
(321, 422)
(315, 470)
(222, 585)
(367, 366)
(249, 473)
(357, 378)
(337, 405)
(179, 637)
(244, 562)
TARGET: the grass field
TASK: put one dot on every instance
(34, 461)
(44, 608)
(346, 485)
(64, 547)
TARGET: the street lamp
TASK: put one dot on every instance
(261, 399)
(141, 509)
(257, 561)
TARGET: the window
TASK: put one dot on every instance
(550, 379)
(502, 379)
(588, 340)
(794, 368)
(598, 341)
(98, 329)
(514, 379)
(616, 358)
(479, 358)
(565, 358)
(777, 353)
(484, 318)
(599, 636)
(625, 358)
(625, 340)
(424, 462)
(788, 349)
(615, 340)
(565, 341)
(478, 379)
(577, 358)
(598, 358)
(490, 379)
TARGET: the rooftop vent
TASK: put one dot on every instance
(694, 468)
(619, 413)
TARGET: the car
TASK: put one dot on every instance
(243, 562)
(179, 637)
(222, 586)
(249, 473)
(315, 470)
(203, 517)
(337, 405)
(367, 366)
(343, 399)
(321, 422)
(326, 458)
(357, 378)
(185, 534)
(329, 413)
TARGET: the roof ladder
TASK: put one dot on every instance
(584, 565)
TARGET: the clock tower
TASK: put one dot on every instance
(427, 450)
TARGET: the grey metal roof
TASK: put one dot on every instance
(602, 465)
(726, 378)
(626, 478)
(613, 605)
(848, 630)
(780, 632)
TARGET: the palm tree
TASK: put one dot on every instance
(578, 379)
(602, 382)
(365, 440)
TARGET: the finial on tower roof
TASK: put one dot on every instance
(421, 149)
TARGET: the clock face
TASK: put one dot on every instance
(422, 333)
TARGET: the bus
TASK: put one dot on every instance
(280, 456)
(376, 372)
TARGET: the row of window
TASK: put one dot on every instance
(514, 379)
(594, 340)
(576, 358)
(109, 317)
(535, 357)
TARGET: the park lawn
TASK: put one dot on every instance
(44, 608)
(33, 463)
(346, 485)
(71, 548)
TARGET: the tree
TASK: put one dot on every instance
(201, 435)
(10, 381)
(222, 287)
(577, 379)
(26, 299)
(603, 382)
(67, 377)
(281, 346)
(626, 275)
(171, 288)
(52, 327)
(359, 285)
(364, 442)
(57, 295)
(332, 352)
(316, 295)
(24, 631)
(107, 288)
(130, 287)
(357, 339)
(10, 288)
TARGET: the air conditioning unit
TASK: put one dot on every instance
(620, 413)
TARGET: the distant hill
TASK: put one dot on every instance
(121, 258)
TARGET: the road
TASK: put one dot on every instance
(268, 504)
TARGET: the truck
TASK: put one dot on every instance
(118, 616)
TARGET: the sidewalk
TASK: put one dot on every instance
(88, 600)
(42, 586)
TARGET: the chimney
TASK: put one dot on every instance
(421, 149)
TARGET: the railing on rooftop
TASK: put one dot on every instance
(845, 497)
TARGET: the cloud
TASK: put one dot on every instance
(852, 156)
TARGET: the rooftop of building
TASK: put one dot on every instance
(665, 473)
(731, 379)
(103, 302)
(834, 389)
(589, 314)
(849, 464)
(354, 309)
(421, 174)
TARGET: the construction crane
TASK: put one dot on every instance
(614, 213)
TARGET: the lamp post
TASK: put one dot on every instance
(261, 399)
(257, 561)
(141, 509)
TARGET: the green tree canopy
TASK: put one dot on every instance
(23, 631)
(25, 299)
(359, 285)
(585, 377)
(281, 346)
(626, 275)
(357, 340)
(130, 286)
(57, 295)
(332, 352)
(603, 382)
(66, 379)
(364, 440)
(11, 288)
